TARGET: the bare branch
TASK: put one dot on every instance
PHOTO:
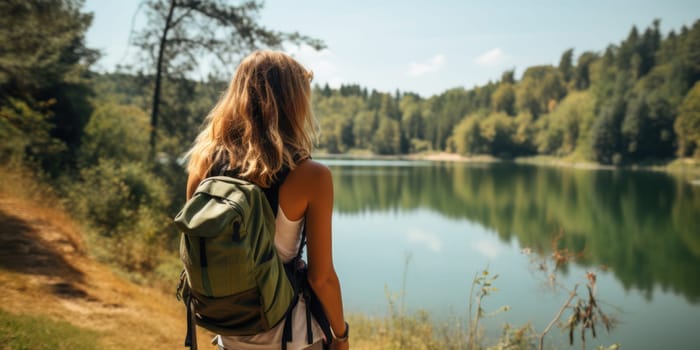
(176, 22)
(557, 316)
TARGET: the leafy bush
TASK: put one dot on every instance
(117, 132)
(25, 132)
(125, 206)
(419, 146)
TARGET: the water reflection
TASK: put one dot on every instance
(643, 225)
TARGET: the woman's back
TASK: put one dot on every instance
(262, 124)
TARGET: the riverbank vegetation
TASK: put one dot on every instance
(581, 315)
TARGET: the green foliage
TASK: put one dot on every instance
(497, 134)
(387, 139)
(687, 125)
(124, 89)
(25, 332)
(42, 44)
(565, 128)
(503, 99)
(412, 122)
(43, 68)
(445, 111)
(419, 146)
(525, 134)
(606, 133)
(497, 131)
(116, 132)
(566, 65)
(26, 132)
(648, 128)
(508, 77)
(467, 136)
(124, 204)
(364, 126)
(581, 74)
(540, 87)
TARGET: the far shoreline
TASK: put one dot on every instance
(678, 165)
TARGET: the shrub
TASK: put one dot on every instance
(118, 132)
(124, 205)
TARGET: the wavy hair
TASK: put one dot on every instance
(262, 122)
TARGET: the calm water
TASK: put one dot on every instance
(451, 220)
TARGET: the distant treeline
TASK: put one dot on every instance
(634, 101)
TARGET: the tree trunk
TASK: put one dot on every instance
(159, 73)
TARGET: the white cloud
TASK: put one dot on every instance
(488, 249)
(430, 240)
(322, 63)
(434, 64)
(491, 57)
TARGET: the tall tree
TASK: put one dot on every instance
(503, 99)
(687, 124)
(566, 66)
(180, 32)
(44, 72)
(508, 77)
(540, 87)
(387, 139)
(606, 132)
(581, 74)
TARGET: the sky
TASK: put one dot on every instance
(425, 46)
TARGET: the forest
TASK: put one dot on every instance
(111, 143)
(632, 102)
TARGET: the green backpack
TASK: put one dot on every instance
(234, 282)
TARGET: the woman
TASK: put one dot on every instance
(260, 126)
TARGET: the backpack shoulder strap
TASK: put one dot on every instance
(191, 338)
(272, 193)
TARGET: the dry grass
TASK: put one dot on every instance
(45, 272)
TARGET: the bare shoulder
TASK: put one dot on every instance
(309, 182)
(312, 171)
(311, 177)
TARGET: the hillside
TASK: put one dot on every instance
(46, 276)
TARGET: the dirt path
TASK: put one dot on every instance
(44, 271)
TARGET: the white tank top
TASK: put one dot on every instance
(287, 235)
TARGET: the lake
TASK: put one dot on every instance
(428, 227)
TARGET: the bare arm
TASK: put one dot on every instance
(313, 181)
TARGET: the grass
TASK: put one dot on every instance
(54, 295)
(27, 332)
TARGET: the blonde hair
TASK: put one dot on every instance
(261, 123)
